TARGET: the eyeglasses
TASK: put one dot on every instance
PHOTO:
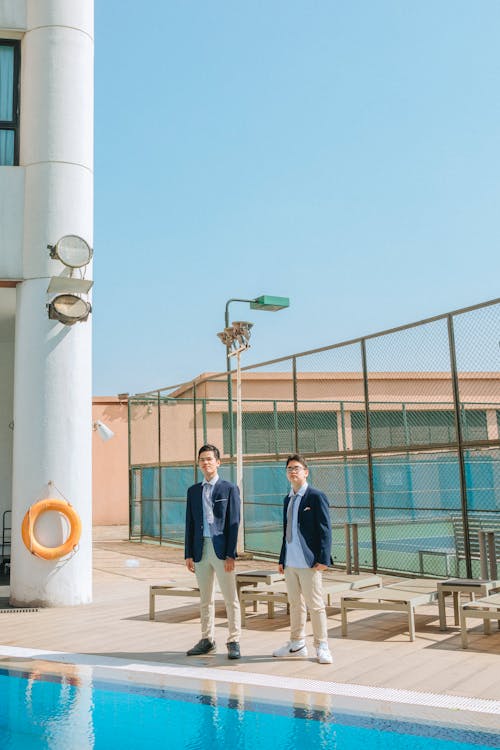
(296, 467)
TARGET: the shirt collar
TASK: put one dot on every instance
(300, 491)
(212, 481)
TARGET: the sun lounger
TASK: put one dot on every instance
(404, 596)
(457, 586)
(169, 590)
(270, 595)
(485, 609)
(176, 588)
(356, 582)
(277, 593)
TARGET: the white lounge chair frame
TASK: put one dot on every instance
(404, 596)
(486, 609)
(277, 593)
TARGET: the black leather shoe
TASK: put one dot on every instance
(205, 646)
(233, 650)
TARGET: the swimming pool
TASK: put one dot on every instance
(76, 711)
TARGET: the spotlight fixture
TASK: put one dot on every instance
(69, 309)
(241, 330)
(72, 251)
(226, 336)
(104, 432)
(237, 336)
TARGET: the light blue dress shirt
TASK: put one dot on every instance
(294, 556)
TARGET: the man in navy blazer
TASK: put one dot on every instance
(305, 553)
(212, 521)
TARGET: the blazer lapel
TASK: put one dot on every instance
(215, 491)
(303, 500)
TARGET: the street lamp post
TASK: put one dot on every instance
(265, 302)
(236, 339)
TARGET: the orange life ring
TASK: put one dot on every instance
(28, 526)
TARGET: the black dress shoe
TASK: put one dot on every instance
(233, 650)
(205, 646)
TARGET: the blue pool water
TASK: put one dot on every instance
(38, 712)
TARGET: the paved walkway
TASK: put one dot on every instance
(377, 653)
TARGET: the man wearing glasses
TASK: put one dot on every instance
(305, 554)
(212, 520)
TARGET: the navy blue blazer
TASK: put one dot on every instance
(315, 531)
(226, 505)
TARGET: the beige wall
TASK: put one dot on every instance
(178, 419)
(110, 464)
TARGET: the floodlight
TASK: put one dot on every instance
(104, 432)
(241, 331)
(69, 309)
(226, 336)
(71, 250)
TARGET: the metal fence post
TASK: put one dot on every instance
(195, 434)
(347, 535)
(276, 428)
(373, 529)
(131, 513)
(160, 488)
(295, 406)
(351, 548)
(204, 417)
(458, 430)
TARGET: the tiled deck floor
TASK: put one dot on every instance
(377, 652)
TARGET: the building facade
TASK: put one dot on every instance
(46, 197)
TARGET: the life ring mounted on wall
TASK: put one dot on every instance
(30, 519)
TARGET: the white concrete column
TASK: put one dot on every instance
(52, 389)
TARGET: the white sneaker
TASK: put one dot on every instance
(323, 654)
(292, 648)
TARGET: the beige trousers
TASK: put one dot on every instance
(305, 588)
(206, 570)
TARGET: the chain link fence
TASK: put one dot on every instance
(400, 429)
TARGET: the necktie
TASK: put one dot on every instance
(289, 517)
(207, 502)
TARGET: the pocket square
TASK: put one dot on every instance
(220, 499)
(308, 508)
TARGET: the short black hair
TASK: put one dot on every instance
(206, 448)
(297, 457)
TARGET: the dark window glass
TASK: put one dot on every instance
(474, 424)
(408, 427)
(387, 429)
(9, 117)
(431, 427)
(317, 431)
(358, 427)
(274, 432)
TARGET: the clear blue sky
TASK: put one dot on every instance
(342, 153)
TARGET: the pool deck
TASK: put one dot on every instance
(376, 654)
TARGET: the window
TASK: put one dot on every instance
(387, 428)
(274, 432)
(398, 428)
(9, 102)
(474, 424)
(358, 424)
(431, 426)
